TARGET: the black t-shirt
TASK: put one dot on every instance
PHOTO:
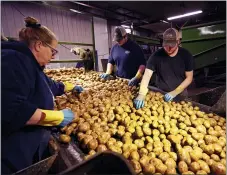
(170, 71)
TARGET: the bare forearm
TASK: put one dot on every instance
(184, 85)
(36, 117)
(140, 71)
(109, 69)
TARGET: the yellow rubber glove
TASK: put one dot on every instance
(171, 95)
(68, 86)
(56, 118)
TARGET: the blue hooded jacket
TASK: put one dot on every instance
(25, 88)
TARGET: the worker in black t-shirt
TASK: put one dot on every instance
(173, 66)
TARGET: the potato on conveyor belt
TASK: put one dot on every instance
(161, 138)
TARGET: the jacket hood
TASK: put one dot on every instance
(20, 47)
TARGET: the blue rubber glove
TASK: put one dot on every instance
(68, 117)
(134, 81)
(139, 101)
(105, 76)
(169, 96)
(78, 89)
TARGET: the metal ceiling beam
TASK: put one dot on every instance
(109, 11)
(67, 9)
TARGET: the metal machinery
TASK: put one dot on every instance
(207, 43)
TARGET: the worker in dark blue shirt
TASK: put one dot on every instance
(128, 58)
(28, 97)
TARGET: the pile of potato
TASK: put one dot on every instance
(161, 138)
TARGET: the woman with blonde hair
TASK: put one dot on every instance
(28, 97)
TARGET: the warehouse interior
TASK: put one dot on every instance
(120, 139)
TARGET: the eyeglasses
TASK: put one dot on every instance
(54, 51)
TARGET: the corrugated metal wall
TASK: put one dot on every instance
(101, 40)
(68, 26)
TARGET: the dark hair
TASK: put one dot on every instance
(35, 31)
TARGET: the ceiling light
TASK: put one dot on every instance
(184, 15)
(76, 11)
(164, 21)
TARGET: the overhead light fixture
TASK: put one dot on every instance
(164, 21)
(76, 11)
(186, 14)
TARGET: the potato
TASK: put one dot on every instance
(197, 136)
(184, 156)
(144, 160)
(194, 167)
(151, 155)
(206, 124)
(149, 139)
(92, 144)
(201, 172)
(171, 171)
(83, 127)
(205, 157)
(64, 138)
(69, 130)
(218, 168)
(163, 156)
(143, 151)
(210, 139)
(156, 132)
(215, 157)
(155, 161)
(126, 154)
(104, 137)
(147, 131)
(118, 110)
(210, 162)
(158, 144)
(139, 143)
(136, 165)
(161, 168)
(196, 155)
(204, 166)
(173, 155)
(170, 163)
(223, 161)
(158, 150)
(101, 148)
(182, 167)
(188, 148)
(134, 155)
(149, 169)
(115, 149)
(188, 173)
(201, 129)
(149, 147)
(223, 154)
(80, 136)
(93, 112)
(209, 149)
